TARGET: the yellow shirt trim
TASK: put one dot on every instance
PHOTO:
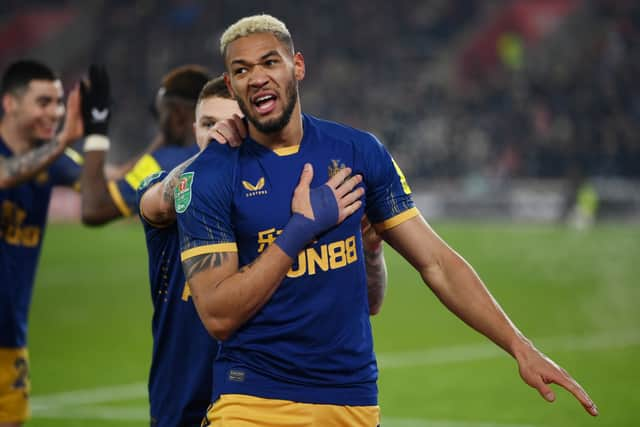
(208, 249)
(116, 196)
(287, 151)
(396, 220)
(74, 155)
(403, 180)
(142, 169)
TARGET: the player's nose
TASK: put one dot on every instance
(258, 78)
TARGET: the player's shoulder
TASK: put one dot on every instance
(222, 154)
(169, 156)
(217, 162)
(341, 132)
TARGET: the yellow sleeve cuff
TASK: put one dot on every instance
(208, 249)
(396, 220)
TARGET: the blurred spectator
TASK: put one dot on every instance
(568, 100)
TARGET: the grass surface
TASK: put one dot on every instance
(574, 293)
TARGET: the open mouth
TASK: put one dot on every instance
(265, 103)
(46, 131)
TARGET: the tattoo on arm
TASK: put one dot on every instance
(170, 182)
(203, 262)
(23, 167)
(246, 267)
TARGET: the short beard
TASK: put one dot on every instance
(277, 124)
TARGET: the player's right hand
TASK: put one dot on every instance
(229, 131)
(96, 101)
(72, 130)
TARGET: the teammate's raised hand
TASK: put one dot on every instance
(96, 101)
(73, 129)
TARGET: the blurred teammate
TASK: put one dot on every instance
(32, 161)
(296, 339)
(104, 200)
(180, 375)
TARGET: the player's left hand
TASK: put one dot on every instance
(96, 101)
(539, 371)
(370, 239)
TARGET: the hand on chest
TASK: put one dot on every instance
(263, 192)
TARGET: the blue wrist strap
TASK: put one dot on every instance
(301, 230)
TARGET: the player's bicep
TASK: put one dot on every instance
(205, 272)
(209, 269)
(418, 243)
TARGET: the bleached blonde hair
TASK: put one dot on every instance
(255, 24)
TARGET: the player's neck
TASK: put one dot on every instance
(289, 136)
(13, 138)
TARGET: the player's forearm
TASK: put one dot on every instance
(460, 289)
(225, 305)
(18, 169)
(97, 205)
(376, 278)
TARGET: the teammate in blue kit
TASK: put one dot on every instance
(181, 375)
(104, 200)
(32, 161)
(282, 284)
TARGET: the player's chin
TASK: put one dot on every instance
(270, 118)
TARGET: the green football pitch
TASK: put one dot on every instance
(576, 294)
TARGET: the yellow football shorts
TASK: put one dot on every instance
(235, 410)
(15, 385)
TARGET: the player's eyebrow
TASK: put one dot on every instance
(206, 117)
(270, 53)
(44, 98)
(262, 58)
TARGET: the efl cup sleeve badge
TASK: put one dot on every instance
(182, 192)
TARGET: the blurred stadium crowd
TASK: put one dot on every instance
(455, 88)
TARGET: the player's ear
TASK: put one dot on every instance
(298, 66)
(194, 124)
(8, 102)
